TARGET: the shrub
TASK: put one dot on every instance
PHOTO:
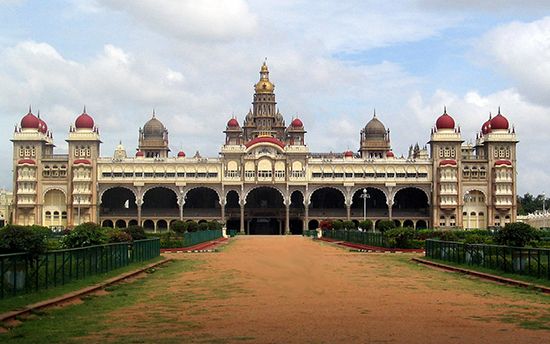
(203, 226)
(366, 225)
(214, 225)
(86, 234)
(399, 237)
(337, 225)
(136, 232)
(516, 234)
(116, 235)
(350, 225)
(385, 225)
(476, 239)
(22, 239)
(445, 235)
(424, 234)
(326, 224)
(192, 226)
(178, 226)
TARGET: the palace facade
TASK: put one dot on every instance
(265, 179)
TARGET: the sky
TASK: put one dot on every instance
(332, 63)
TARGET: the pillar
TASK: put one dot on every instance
(242, 217)
(222, 215)
(306, 217)
(390, 215)
(287, 218)
(138, 203)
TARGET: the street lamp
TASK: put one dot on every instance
(365, 196)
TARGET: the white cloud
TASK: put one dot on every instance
(218, 20)
(521, 51)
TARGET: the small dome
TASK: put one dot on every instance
(348, 154)
(389, 154)
(486, 127)
(233, 123)
(375, 129)
(140, 154)
(499, 122)
(445, 121)
(503, 162)
(153, 128)
(43, 127)
(264, 85)
(297, 123)
(84, 121)
(30, 121)
(447, 162)
(181, 154)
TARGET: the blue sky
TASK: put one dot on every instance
(331, 62)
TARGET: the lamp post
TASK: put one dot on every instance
(365, 196)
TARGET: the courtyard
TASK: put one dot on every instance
(289, 289)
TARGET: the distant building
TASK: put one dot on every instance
(266, 179)
(6, 200)
(539, 219)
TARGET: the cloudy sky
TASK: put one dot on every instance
(332, 62)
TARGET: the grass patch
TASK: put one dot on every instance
(83, 322)
(20, 301)
(523, 278)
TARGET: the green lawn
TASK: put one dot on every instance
(19, 301)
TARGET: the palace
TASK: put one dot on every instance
(265, 179)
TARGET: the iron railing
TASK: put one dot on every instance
(357, 237)
(22, 273)
(195, 238)
(519, 260)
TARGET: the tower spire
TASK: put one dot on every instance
(444, 109)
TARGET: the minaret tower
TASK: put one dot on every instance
(264, 119)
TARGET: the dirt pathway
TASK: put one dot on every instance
(294, 290)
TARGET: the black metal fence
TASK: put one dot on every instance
(21, 273)
(357, 237)
(519, 260)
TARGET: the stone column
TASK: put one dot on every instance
(242, 217)
(139, 203)
(390, 205)
(306, 217)
(222, 204)
(287, 218)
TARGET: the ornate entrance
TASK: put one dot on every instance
(264, 212)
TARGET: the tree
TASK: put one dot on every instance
(516, 234)
(214, 225)
(385, 225)
(349, 225)
(178, 226)
(86, 234)
(326, 224)
(136, 232)
(337, 225)
(203, 226)
(15, 239)
(192, 226)
(366, 225)
(528, 203)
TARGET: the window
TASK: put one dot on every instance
(48, 215)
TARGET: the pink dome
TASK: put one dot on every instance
(181, 154)
(348, 154)
(43, 127)
(445, 121)
(390, 154)
(503, 162)
(447, 162)
(140, 154)
(297, 123)
(84, 121)
(233, 123)
(499, 122)
(30, 121)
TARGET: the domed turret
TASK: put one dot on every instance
(84, 121)
(499, 122)
(389, 154)
(233, 123)
(486, 127)
(297, 123)
(30, 121)
(348, 154)
(42, 127)
(181, 154)
(445, 121)
(153, 129)
(120, 152)
(264, 85)
(375, 129)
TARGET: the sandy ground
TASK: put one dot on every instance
(293, 290)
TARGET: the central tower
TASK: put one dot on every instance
(264, 119)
